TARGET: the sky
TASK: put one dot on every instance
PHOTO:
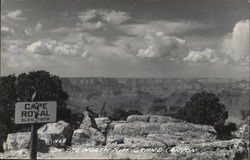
(126, 38)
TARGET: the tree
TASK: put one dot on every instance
(224, 131)
(8, 99)
(47, 87)
(203, 108)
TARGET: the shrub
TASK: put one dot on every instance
(76, 120)
(224, 131)
(203, 108)
(117, 114)
(133, 112)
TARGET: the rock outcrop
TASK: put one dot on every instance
(141, 136)
(57, 134)
(19, 141)
(103, 124)
(88, 137)
(88, 121)
(177, 138)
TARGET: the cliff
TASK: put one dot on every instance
(152, 95)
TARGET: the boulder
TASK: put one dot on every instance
(87, 137)
(88, 121)
(135, 129)
(138, 129)
(103, 124)
(230, 149)
(17, 141)
(115, 140)
(142, 142)
(57, 134)
(168, 140)
(162, 119)
(137, 118)
(185, 127)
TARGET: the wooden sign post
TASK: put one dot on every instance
(34, 113)
(33, 149)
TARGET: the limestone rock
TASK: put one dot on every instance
(57, 134)
(88, 121)
(184, 127)
(168, 140)
(17, 141)
(142, 142)
(136, 118)
(135, 129)
(230, 149)
(162, 119)
(115, 140)
(103, 124)
(87, 137)
(138, 128)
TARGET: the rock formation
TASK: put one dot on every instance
(141, 136)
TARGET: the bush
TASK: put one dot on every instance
(224, 131)
(203, 108)
(133, 112)
(76, 120)
(118, 114)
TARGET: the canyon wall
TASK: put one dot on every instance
(152, 95)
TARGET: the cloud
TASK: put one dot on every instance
(167, 27)
(53, 47)
(91, 26)
(115, 18)
(39, 26)
(161, 45)
(206, 55)
(94, 19)
(232, 50)
(63, 30)
(12, 47)
(27, 32)
(6, 32)
(16, 15)
(236, 47)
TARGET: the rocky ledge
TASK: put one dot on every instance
(144, 136)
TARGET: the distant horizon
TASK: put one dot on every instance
(245, 78)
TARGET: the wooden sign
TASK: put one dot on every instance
(35, 112)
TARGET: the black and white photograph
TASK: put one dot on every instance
(125, 79)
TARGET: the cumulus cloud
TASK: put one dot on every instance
(6, 32)
(206, 55)
(27, 32)
(98, 18)
(168, 27)
(39, 26)
(16, 15)
(161, 45)
(115, 17)
(53, 47)
(236, 47)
